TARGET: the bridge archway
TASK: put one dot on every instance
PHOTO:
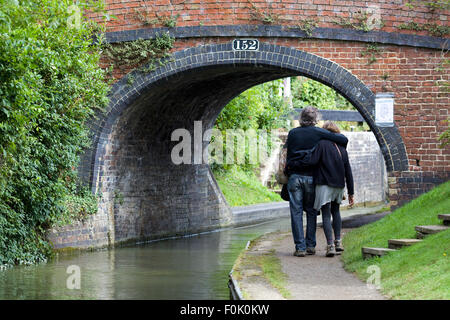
(145, 195)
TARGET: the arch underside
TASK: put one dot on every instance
(130, 158)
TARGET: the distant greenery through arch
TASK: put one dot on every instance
(264, 107)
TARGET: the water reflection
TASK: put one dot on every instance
(194, 267)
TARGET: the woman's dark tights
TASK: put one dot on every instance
(328, 210)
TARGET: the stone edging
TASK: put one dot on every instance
(265, 31)
(245, 215)
(235, 291)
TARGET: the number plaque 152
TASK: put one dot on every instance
(245, 45)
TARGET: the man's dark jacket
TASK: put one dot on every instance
(300, 144)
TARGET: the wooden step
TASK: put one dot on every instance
(400, 243)
(374, 252)
(445, 218)
(423, 231)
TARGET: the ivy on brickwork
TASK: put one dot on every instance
(443, 67)
(265, 16)
(307, 25)
(371, 51)
(359, 21)
(432, 28)
(143, 14)
(444, 138)
(143, 55)
(432, 5)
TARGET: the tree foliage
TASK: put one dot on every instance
(308, 92)
(313, 93)
(258, 108)
(51, 84)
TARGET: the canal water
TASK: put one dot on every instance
(194, 267)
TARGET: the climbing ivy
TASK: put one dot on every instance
(143, 13)
(432, 28)
(265, 16)
(359, 21)
(371, 50)
(308, 25)
(444, 138)
(432, 5)
(142, 54)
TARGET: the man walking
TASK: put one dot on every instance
(300, 142)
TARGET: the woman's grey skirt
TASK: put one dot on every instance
(325, 194)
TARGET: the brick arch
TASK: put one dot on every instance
(292, 61)
(131, 142)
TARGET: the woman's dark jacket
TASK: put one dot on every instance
(331, 168)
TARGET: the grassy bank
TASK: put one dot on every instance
(421, 271)
(242, 188)
(262, 264)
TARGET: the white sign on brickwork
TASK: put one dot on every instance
(384, 109)
(245, 45)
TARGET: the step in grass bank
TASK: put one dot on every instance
(420, 271)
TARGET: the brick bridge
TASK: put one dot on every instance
(145, 196)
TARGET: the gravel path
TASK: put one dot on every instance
(318, 277)
(309, 278)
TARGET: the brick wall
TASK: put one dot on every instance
(133, 15)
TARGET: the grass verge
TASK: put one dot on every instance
(272, 271)
(421, 271)
(264, 265)
(242, 188)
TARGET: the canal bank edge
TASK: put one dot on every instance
(241, 216)
(235, 291)
(265, 243)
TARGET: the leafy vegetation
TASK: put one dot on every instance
(308, 25)
(51, 85)
(444, 138)
(144, 54)
(371, 50)
(360, 21)
(432, 5)
(421, 271)
(308, 92)
(266, 17)
(258, 108)
(432, 28)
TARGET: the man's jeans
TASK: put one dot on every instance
(301, 192)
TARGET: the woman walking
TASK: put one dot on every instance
(331, 173)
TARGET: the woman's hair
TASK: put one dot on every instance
(309, 116)
(331, 126)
